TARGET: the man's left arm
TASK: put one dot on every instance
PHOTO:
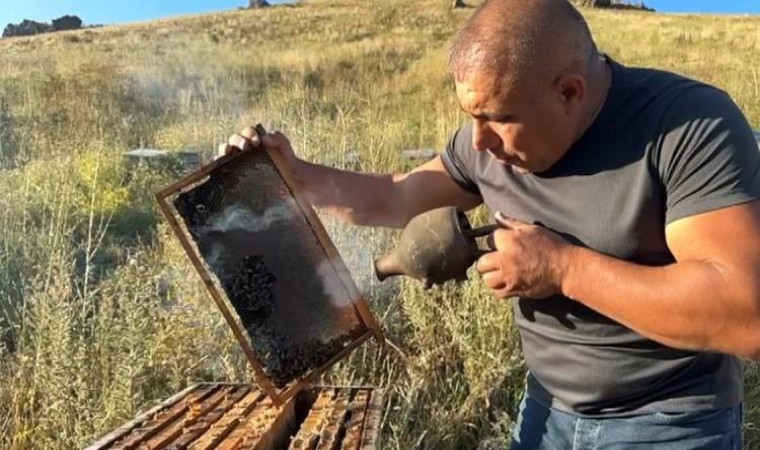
(709, 300)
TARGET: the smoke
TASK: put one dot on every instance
(359, 247)
(333, 287)
(238, 218)
(215, 255)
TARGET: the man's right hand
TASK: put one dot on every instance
(249, 139)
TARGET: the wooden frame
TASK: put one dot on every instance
(363, 313)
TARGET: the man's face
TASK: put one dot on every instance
(522, 128)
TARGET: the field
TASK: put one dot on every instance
(101, 314)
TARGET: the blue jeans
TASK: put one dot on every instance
(541, 428)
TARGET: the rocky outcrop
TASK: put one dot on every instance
(67, 23)
(640, 6)
(31, 27)
(599, 3)
(26, 28)
(613, 4)
(258, 3)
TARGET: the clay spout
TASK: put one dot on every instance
(435, 247)
(388, 266)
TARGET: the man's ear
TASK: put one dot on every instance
(570, 90)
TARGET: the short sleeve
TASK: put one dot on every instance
(459, 160)
(708, 155)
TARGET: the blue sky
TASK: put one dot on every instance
(715, 6)
(104, 12)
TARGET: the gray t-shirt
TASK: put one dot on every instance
(662, 148)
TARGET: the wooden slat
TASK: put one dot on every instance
(220, 430)
(194, 413)
(108, 440)
(163, 419)
(193, 432)
(252, 427)
(371, 429)
(355, 424)
(330, 435)
(308, 436)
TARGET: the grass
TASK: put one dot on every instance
(101, 314)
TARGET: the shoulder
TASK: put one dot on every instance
(683, 116)
(653, 82)
(461, 140)
(658, 91)
(701, 115)
(706, 154)
(701, 101)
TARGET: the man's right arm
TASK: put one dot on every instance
(389, 200)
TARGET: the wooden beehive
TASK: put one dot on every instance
(240, 416)
(271, 268)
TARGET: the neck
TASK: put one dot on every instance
(600, 83)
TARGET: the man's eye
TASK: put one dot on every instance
(507, 118)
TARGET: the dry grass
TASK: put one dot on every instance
(102, 311)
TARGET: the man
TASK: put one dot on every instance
(631, 228)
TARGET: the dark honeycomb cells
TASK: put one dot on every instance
(271, 275)
(286, 359)
(252, 290)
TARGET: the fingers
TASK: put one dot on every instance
(488, 262)
(246, 140)
(500, 239)
(490, 267)
(255, 137)
(249, 132)
(222, 150)
(494, 280)
(239, 142)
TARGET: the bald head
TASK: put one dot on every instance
(523, 41)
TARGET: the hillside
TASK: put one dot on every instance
(100, 313)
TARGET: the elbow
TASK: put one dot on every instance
(753, 346)
(741, 333)
(745, 340)
(375, 218)
(752, 329)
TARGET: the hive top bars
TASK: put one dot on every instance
(270, 266)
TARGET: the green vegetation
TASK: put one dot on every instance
(101, 313)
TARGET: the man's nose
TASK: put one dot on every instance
(483, 137)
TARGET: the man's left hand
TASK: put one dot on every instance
(528, 260)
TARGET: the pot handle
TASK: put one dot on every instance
(484, 231)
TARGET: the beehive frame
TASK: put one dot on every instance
(362, 311)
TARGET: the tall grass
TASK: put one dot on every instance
(101, 315)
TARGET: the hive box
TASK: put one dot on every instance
(271, 268)
(239, 416)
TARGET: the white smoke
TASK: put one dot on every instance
(238, 218)
(333, 286)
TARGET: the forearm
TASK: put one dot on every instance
(694, 305)
(357, 198)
